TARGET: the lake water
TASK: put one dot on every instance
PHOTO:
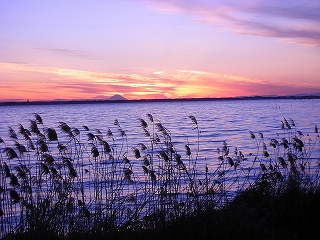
(218, 121)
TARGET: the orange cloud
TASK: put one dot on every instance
(21, 82)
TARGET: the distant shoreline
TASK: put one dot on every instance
(55, 102)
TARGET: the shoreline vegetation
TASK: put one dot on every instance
(121, 100)
(68, 183)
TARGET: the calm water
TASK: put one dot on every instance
(218, 121)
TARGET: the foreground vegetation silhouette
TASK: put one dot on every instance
(74, 183)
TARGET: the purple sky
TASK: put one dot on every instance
(156, 49)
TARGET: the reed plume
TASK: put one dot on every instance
(75, 180)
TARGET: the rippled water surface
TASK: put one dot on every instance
(218, 121)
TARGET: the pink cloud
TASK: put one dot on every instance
(41, 83)
(295, 21)
(69, 52)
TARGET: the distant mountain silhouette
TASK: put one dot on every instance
(117, 97)
(311, 94)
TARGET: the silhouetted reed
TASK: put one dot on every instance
(69, 181)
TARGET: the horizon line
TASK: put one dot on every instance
(108, 100)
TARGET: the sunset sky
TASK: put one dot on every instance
(143, 49)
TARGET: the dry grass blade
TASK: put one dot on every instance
(65, 128)
(230, 161)
(298, 144)
(34, 127)
(15, 196)
(136, 152)
(150, 117)
(188, 151)
(6, 169)
(43, 147)
(146, 132)
(75, 131)
(116, 122)
(178, 159)
(109, 133)
(48, 159)
(53, 171)
(142, 146)
(145, 169)
(127, 174)
(286, 123)
(14, 180)
(285, 143)
(146, 161)
(193, 119)
(45, 169)
(164, 156)
(282, 162)
(24, 132)
(292, 122)
(252, 135)
(21, 148)
(106, 146)
(67, 161)
(90, 136)
(122, 132)
(51, 134)
(143, 123)
(194, 122)
(72, 172)
(21, 172)
(263, 167)
(61, 147)
(292, 158)
(274, 143)
(12, 133)
(162, 129)
(11, 153)
(153, 177)
(38, 118)
(95, 152)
